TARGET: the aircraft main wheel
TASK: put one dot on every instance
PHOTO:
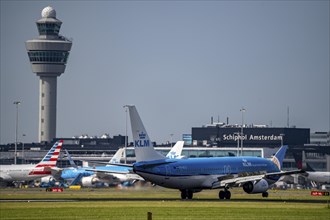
(183, 194)
(221, 194)
(187, 194)
(265, 194)
(227, 194)
(190, 194)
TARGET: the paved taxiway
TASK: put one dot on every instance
(164, 199)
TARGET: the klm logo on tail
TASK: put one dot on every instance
(142, 142)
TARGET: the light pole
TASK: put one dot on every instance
(171, 139)
(23, 160)
(242, 134)
(125, 106)
(16, 130)
(238, 137)
(282, 136)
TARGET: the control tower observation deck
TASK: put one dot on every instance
(48, 55)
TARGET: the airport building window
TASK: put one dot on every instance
(48, 56)
(48, 28)
(130, 153)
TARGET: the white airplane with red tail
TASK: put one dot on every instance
(28, 172)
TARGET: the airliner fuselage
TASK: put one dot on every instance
(202, 173)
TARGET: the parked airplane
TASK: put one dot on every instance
(55, 179)
(27, 172)
(318, 176)
(176, 151)
(80, 174)
(192, 175)
(321, 177)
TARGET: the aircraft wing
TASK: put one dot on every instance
(106, 173)
(230, 180)
(108, 163)
(283, 173)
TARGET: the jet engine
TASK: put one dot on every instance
(89, 181)
(47, 179)
(259, 187)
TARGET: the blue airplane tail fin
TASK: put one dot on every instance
(279, 156)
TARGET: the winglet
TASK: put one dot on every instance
(279, 156)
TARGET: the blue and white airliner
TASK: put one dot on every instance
(191, 175)
(111, 173)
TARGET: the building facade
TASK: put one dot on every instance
(230, 136)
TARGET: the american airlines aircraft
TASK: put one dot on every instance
(27, 172)
(322, 177)
(192, 175)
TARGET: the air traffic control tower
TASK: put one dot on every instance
(48, 56)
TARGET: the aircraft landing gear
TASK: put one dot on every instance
(265, 194)
(186, 194)
(224, 194)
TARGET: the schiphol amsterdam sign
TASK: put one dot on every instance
(251, 137)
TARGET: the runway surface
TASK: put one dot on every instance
(163, 199)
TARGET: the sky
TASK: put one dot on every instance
(179, 62)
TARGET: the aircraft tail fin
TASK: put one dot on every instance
(279, 156)
(300, 158)
(305, 165)
(72, 163)
(176, 150)
(144, 150)
(49, 161)
(51, 157)
(118, 155)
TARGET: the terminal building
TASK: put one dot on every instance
(228, 136)
(315, 145)
(207, 141)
